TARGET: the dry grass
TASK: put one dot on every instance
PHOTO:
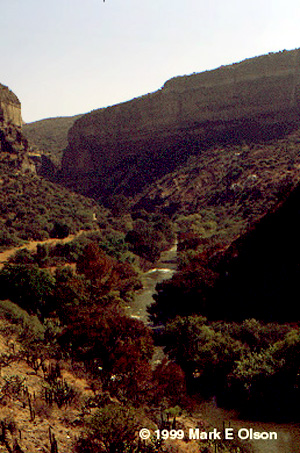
(65, 422)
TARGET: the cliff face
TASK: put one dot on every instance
(10, 107)
(151, 135)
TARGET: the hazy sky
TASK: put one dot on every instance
(64, 57)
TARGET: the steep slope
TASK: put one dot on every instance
(244, 179)
(255, 276)
(129, 145)
(260, 271)
(32, 208)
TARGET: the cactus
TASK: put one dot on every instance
(53, 442)
(31, 410)
(174, 423)
(59, 392)
(8, 426)
(51, 372)
(17, 448)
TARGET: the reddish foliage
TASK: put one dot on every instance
(106, 273)
(106, 336)
(169, 381)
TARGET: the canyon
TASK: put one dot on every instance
(129, 145)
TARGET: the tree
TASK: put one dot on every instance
(106, 273)
(204, 352)
(120, 346)
(186, 293)
(60, 230)
(71, 290)
(169, 383)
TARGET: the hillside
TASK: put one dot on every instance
(50, 136)
(219, 193)
(25, 417)
(35, 209)
(252, 275)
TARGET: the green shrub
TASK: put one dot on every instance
(22, 256)
(28, 286)
(103, 426)
(13, 312)
(13, 386)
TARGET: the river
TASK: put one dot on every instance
(288, 440)
(165, 268)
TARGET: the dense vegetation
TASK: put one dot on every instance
(219, 193)
(250, 366)
(150, 234)
(33, 208)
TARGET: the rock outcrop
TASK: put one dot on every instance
(10, 108)
(128, 145)
(13, 145)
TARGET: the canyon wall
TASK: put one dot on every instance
(259, 97)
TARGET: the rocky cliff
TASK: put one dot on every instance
(10, 107)
(13, 145)
(133, 143)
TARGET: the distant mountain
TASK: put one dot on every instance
(50, 136)
(215, 150)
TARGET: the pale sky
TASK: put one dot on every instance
(64, 57)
